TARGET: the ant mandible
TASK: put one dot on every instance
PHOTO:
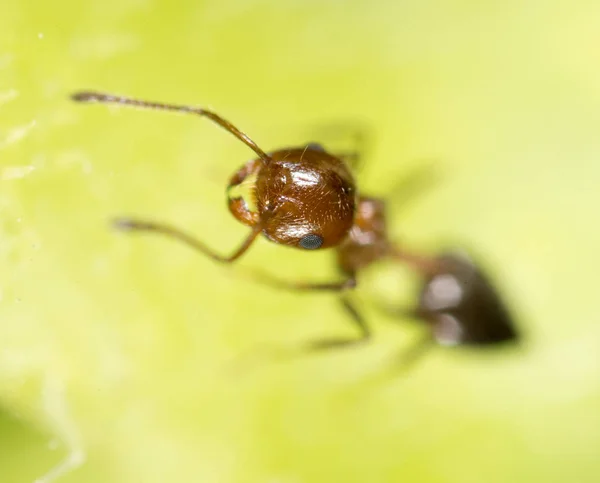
(303, 197)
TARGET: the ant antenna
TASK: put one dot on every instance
(89, 96)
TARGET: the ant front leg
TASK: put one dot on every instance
(130, 224)
(237, 204)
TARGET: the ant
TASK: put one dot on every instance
(306, 198)
(300, 197)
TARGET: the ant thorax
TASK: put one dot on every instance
(367, 241)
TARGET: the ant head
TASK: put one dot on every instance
(305, 198)
(464, 306)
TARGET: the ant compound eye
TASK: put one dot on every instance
(311, 242)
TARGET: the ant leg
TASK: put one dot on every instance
(237, 204)
(249, 169)
(335, 343)
(273, 352)
(412, 354)
(407, 359)
(396, 312)
(129, 224)
(275, 282)
(112, 99)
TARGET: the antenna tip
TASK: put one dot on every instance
(124, 224)
(130, 224)
(86, 96)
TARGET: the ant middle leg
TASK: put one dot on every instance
(275, 282)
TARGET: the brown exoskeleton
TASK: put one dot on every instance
(302, 197)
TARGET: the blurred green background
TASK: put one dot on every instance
(116, 350)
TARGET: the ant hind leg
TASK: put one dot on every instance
(336, 343)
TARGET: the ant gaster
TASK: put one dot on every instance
(462, 306)
(302, 197)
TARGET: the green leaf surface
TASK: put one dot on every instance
(141, 360)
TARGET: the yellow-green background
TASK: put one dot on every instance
(120, 348)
